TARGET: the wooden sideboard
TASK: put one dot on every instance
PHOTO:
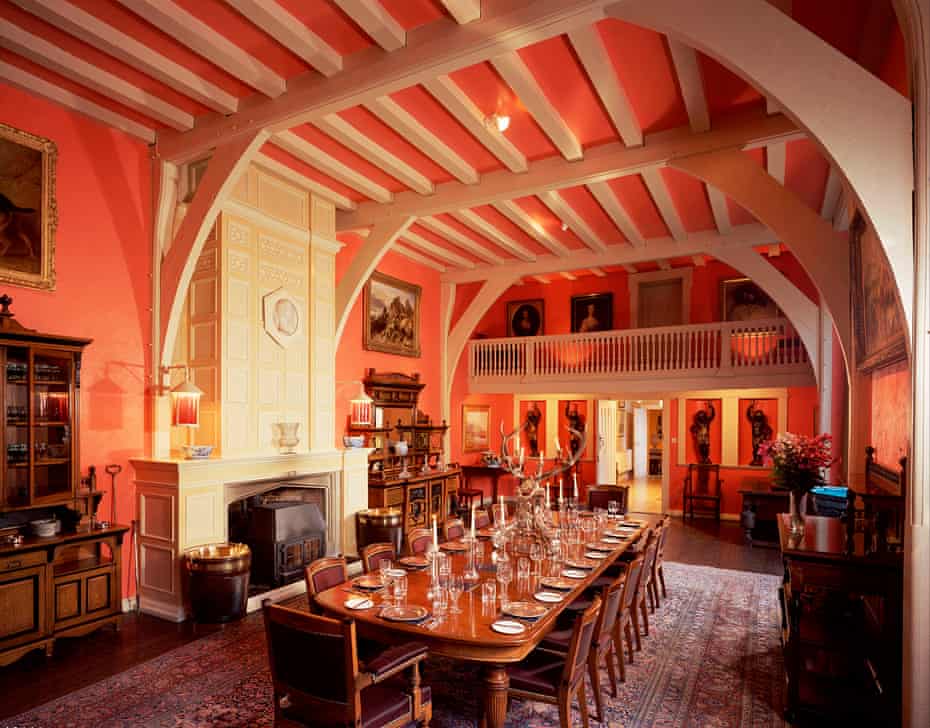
(419, 497)
(63, 586)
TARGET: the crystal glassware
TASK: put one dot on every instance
(456, 589)
(504, 576)
(489, 592)
(399, 584)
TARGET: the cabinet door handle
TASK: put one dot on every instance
(13, 564)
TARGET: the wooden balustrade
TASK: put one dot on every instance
(769, 345)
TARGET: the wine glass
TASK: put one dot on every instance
(613, 508)
(536, 556)
(385, 573)
(456, 589)
(400, 590)
(504, 576)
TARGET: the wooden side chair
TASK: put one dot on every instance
(452, 529)
(318, 680)
(604, 645)
(658, 573)
(324, 574)
(702, 484)
(373, 554)
(649, 589)
(482, 519)
(628, 620)
(549, 677)
(418, 540)
(600, 495)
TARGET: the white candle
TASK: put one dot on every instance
(548, 507)
(435, 533)
(503, 511)
(575, 479)
(558, 447)
(521, 456)
(560, 492)
(472, 520)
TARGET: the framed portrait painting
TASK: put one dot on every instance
(28, 212)
(526, 318)
(743, 300)
(391, 316)
(594, 312)
(877, 317)
(476, 427)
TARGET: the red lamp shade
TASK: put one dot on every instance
(185, 405)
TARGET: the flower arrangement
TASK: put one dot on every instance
(798, 461)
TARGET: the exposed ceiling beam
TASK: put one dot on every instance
(776, 159)
(463, 241)
(292, 175)
(405, 124)
(541, 279)
(55, 58)
(691, 83)
(664, 264)
(514, 71)
(88, 28)
(589, 46)
(566, 213)
(433, 50)
(29, 83)
(616, 212)
(598, 272)
(204, 41)
(708, 241)
(316, 157)
(343, 132)
(655, 183)
(464, 11)
(458, 103)
(481, 226)
(290, 32)
(518, 216)
(831, 194)
(699, 260)
(630, 268)
(417, 257)
(568, 275)
(376, 21)
(437, 251)
(601, 163)
(718, 205)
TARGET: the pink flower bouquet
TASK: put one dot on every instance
(798, 461)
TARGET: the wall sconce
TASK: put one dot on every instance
(361, 409)
(185, 400)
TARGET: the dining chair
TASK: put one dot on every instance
(650, 588)
(452, 529)
(373, 554)
(702, 484)
(644, 589)
(324, 574)
(318, 680)
(628, 620)
(482, 519)
(599, 496)
(604, 645)
(418, 540)
(658, 573)
(550, 677)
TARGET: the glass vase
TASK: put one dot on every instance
(798, 505)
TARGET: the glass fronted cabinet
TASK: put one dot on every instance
(39, 403)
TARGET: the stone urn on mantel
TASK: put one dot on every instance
(285, 436)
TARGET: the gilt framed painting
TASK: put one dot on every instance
(877, 317)
(392, 316)
(476, 427)
(28, 212)
(526, 318)
(593, 312)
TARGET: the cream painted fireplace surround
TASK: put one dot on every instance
(270, 234)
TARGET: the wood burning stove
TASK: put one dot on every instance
(285, 536)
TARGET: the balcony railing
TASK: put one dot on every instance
(763, 346)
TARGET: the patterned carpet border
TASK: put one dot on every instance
(712, 660)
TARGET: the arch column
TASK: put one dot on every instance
(860, 123)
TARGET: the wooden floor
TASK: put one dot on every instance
(79, 662)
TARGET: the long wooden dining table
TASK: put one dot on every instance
(468, 635)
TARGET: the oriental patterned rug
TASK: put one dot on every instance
(712, 659)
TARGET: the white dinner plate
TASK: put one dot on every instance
(548, 596)
(508, 626)
(359, 603)
(611, 539)
(574, 573)
(595, 554)
(395, 573)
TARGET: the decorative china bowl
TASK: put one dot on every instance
(45, 527)
(353, 440)
(197, 452)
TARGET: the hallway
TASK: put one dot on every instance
(645, 494)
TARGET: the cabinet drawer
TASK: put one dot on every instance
(22, 561)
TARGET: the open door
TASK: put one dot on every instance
(607, 442)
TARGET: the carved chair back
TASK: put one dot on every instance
(374, 554)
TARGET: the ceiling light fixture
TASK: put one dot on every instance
(497, 122)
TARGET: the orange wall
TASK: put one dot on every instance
(891, 413)
(352, 359)
(103, 284)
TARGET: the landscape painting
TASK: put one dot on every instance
(27, 209)
(392, 316)
(476, 426)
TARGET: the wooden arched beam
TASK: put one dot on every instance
(177, 267)
(860, 123)
(819, 248)
(364, 262)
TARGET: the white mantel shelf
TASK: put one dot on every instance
(183, 503)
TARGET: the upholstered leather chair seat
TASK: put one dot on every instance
(557, 639)
(538, 673)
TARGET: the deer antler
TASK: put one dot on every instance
(576, 456)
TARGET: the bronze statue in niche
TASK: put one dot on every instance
(576, 423)
(761, 431)
(533, 418)
(700, 431)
